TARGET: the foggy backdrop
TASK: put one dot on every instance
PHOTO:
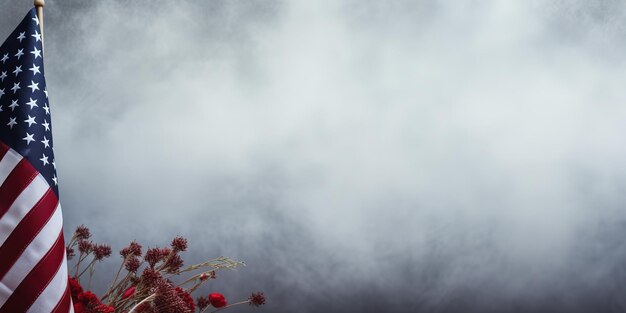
(358, 155)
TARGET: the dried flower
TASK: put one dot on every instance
(186, 297)
(129, 292)
(156, 255)
(203, 303)
(179, 244)
(217, 300)
(102, 251)
(85, 246)
(257, 299)
(173, 263)
(69, 252)
(151, 291)
(172, 300)
(150, 277)
(132, 264)
(75, 288)
(133, 249)
(82, 232)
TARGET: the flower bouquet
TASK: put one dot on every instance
(143, 282)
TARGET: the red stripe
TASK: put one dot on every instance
(64, 304)
(37, 280)
(26, 231)
(20, 177)
(3, 150)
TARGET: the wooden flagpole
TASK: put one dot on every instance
(39, 4)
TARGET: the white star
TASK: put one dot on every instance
(46, 125)
(54, 178)
(16, 87)
(30, 120)
(1, 108)
(28, 138)
(54, 164)
(3, 76)
(44, 159)
(18, 69)
(32, 103)
(33, 86)
(46, 143)
(37, 53)
(1, 93)
(46, 92)
(36, 20)
(21, 36)
(12, 122)
(13, 105)
(46, 108)
(35, 69)
(5, 58)
(37, 36)
(20, 53)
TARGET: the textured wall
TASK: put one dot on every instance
(360, 156)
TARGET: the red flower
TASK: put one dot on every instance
(217, 300)
(186, 297)
(79, 307)
(75, 289)
(129, 292)
(103, 308)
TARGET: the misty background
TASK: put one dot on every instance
(359, 156)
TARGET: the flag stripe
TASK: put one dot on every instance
(64, 304)
(29, 258)
(53, 295)
(26, 231)
(3, 150)
(37, 280)
(21, 206)
(8, 163)
(15, 183)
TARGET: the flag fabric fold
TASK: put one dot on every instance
(33, 266)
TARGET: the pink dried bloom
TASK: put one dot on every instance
(132, 249)
(179, 244)
(69, 252)
(150, 277)
(102, 251)
(174, 263)
(169, 299)
(156, 255)
(205, 276)
(85, 246)
(132, 264)
(202, 302)
(257, 299)
(82, 232)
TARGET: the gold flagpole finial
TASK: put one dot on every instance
(39, 4)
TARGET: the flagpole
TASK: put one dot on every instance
(39, 4)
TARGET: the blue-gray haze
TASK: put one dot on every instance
(360, 156)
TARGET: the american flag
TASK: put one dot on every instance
(33, 267)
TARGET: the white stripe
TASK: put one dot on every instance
(50, 297)
(22, 205)
(31, 256)
(8, 163)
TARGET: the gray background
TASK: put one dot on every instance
(360, 156)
